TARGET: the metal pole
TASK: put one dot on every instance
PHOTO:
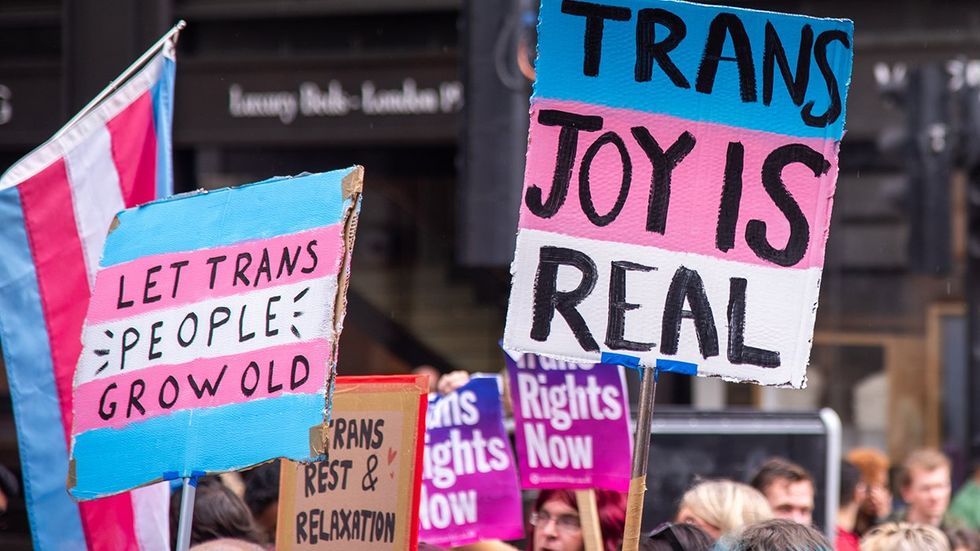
(641, 456)
(186, 513)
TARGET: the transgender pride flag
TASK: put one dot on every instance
(56, 205)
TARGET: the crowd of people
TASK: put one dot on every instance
(773, 512)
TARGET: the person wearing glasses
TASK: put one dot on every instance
(555, 523)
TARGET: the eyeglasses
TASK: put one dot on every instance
(665, 532)
(564, 523)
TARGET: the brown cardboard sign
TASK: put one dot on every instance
(364, 493)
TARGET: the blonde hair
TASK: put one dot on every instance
(901, 536)
(726, 504)
(925, 459)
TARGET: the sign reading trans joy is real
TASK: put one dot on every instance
(211, 336)
(680, 175)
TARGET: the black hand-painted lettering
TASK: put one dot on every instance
(595, 16)
(775, 54)
(177, 267)
(616, 322)
(120, 303)
(207, 385)
(731, 197)
(311, 250)
(134, 398)
(649, 50)
(154, 339)
(103, 412)
(663, 164)
(128, 344)
(727, 24)
(687, 284)
(772, 181)
(172, 382)
(184, 343)
(242, 263)
(269, 386)
(214, 261)
(369, 481)
(217, 322)
(738, 351)
(548, 300)
(269, 316)
(835, 108)
(585, 187)
(150, 283)
(249, 389)
(570, 124)
(294, 381)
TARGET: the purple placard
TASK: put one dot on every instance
(571, 422)
(469, 484)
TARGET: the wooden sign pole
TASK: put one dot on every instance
(187, 496)
(641, 455)
(588, 513)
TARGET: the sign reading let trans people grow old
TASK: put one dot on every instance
(211, 336)
(364, 494)
(680, 175)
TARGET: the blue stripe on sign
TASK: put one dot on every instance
(54, 517)
(163, 109)
(201, 220)
(216, 439)
(560, 68)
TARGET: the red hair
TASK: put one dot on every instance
(612, 513)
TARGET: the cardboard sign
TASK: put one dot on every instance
(571, 423)
(469, 490)
(211, 336)
(364, 495)
(681, 167)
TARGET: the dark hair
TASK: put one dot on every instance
(219, 513)
(778, 468)
(612, 513)
(850, 477)
(777, 535)
(677, 537)
(963, 537)
(261, 486)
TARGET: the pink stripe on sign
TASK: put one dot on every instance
(692, 219)
(174, 279)
(294, 369)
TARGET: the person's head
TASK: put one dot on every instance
(852, 490)
(556, 525)
(962, 539)
(926, 486)
(262, 495)
(895, 536)
(777, 535)
(722, 506)
(432, 375)
(789, 489)
(219, 513)
(672, 536)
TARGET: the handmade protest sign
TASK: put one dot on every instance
(681, 167)
(211, 336)
(469, 484)
(571, 423)
(364, 493)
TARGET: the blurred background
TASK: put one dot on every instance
(431, 96)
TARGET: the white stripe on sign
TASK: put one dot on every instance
(151, 506)
(210, 328)
(780, 307)
(96, 195)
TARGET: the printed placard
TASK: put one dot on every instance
(211, 336)
(571, 423)
(364, 494)
(469, 490)
(680, 175)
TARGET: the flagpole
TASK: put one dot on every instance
(187, 498)
(641, 455)
(122, 78)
